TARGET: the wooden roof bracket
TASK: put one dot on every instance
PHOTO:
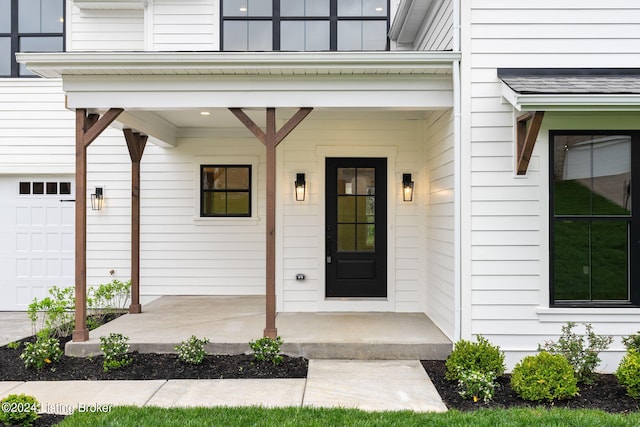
(526, 138)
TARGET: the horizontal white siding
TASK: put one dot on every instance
(508, 259)
(187, 25)
(440, 220)
(439, 34)
(106, 30)
(36, 131)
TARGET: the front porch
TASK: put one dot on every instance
(230, 322)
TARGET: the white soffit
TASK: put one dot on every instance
(410, 18)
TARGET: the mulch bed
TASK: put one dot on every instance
(605, 394)
(146, 366)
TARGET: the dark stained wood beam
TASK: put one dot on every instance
(136, 143)
(526, 138)
(271, 138)
(88, 128)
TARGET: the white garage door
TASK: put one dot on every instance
(36, 237)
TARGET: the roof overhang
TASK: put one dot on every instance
(571, 89)
(147, 85)
(412, 17)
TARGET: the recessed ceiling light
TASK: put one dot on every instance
(61, 19)
(379, 9)
(243, 8)
(205, 113)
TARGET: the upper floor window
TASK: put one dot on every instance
(305, 25)
(29, 26)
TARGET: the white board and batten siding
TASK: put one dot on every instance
(505, 237)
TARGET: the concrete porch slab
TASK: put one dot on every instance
(230, 322)
(235, 392)
(371, 386)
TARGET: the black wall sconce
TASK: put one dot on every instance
(96, 199)
(300, 185)
(407, 187)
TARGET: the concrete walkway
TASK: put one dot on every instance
(382, 385)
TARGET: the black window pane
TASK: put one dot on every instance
(247, 8)
(314, 8)
(65, 188)
(238, 178)
(38, 44)
(571, 266)
(38, 188)
(609, 255)
(238, 203)
(52, 188)
(592, 175)
(362, 35)
(5, 16)
(40, 16)
(362, 8)
(304, 36)
(25, 188)
(248, 36)
(5, 56)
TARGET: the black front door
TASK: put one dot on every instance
(356, 227)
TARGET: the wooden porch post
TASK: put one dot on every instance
(88, 128)
(271, 139)
(136, 143)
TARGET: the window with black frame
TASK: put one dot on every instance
(304, 25)
(225, 191)
(594, 225)
(29, 26)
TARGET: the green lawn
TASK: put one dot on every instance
(157, 417)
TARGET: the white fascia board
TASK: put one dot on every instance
(61, 64)
(184, 92)
(571, 102)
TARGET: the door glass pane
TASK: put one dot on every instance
(366, 241)
(592, 175)
(346, 209)
(571, 266)
(365, 181)
(304, 36)
(346, 237)
(304, 7)
(366, 209)
(346, 180)
(609, 255)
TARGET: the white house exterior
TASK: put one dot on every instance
(478, 249)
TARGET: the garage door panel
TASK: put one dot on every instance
(39, 249)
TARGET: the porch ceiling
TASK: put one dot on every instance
(162, 93)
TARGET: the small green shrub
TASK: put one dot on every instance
(480, 356)
(583, 357)
(44, 351)
(19, 409)
(192, 351)
(106, 299)
(632, 342)
(57, 312)
(628, 373)
(115, 347)
(14, 345)
(267, 349)
(477, 385)
(544, 376)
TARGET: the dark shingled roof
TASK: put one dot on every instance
(572, 80)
